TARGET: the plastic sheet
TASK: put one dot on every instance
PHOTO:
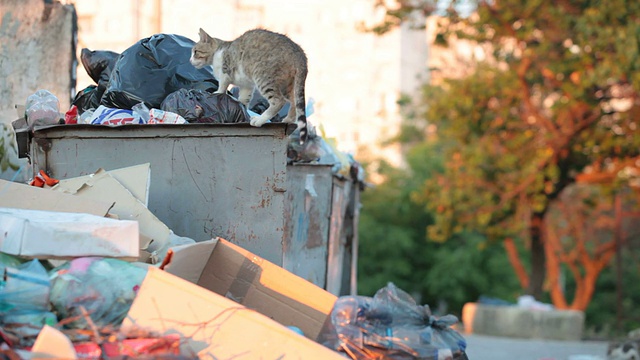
(392, 326)
(153, 68)
(108, 116)
(205, 107)
(104, 287)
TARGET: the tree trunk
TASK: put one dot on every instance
(553, 250)
(538, 262)
(514, 259)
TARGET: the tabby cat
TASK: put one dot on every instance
(259, 58)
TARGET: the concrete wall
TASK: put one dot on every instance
(513, 321)
(37, 51)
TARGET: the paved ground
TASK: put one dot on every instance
(481, 347)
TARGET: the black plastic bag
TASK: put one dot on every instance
(259, 104)
(153, 68)
(87, 99)
(198, 106)
(99, 64)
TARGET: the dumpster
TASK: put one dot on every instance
(342, 256)
(321, 221)
(307, 220)
(224, 180)
(207, 180)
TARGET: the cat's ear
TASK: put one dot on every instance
(204, 37)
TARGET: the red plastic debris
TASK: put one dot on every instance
(166, 345)
(42, 178)
(71, 116)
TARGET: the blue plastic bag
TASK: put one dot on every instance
(24, 300)
(104, 287)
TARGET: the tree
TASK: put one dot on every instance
(558, 94)
(580, 237)
(393, 245)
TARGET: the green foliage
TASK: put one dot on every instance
(467, 267)
(394, 245)
(392, 227)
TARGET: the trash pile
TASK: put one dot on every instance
(72, 265)
(89, 272)
(86, 264)
(153, 82)
(390, 325)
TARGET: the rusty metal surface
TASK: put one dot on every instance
(207, 180)
(337, 241)
(307, 216)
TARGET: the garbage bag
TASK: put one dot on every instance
(259, 104)
(312, 150)
(42, 108)
(87, 99)
(104, 287)
(26, 287)
(24, 299)
(153, 68)
(99, 64)
(205, 107)
(392, 326)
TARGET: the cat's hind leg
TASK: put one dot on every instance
(276, 102)
(291, 114)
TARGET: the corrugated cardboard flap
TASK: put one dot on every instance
(214, 327)
(269, 289)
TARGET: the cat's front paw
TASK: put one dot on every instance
(258, 121)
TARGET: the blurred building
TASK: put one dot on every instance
(355, 78)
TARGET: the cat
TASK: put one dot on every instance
(260, 58)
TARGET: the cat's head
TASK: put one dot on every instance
(202, 52)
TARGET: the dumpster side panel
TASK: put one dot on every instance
(307, 216)
(337, 241)
(206, 181)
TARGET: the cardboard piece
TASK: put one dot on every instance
(102, 186)
(51, 343)
(213, 326)
(258, 284)
(136, 179)
(22, 196)
(59, 235)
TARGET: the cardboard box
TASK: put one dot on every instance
(103, 186)
(237, 274)
(22, 196)
(61, 235)
(212, 326)
(136, 179)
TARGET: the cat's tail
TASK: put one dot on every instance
(300, 104)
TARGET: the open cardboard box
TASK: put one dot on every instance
(237, 274)
(215, 327)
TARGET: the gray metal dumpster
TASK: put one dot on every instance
(228, 180)
(207, 180)
(342, 257)
(321, 221)
(307, 221)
